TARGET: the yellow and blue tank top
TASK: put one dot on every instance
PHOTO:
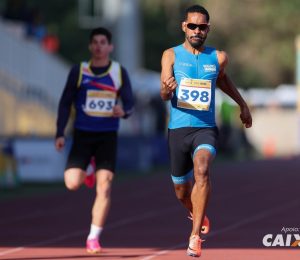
(96, 97)
(193, 103)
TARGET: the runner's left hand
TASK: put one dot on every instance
(118, 111)
(246, 116)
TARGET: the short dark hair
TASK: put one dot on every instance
(102, 31)
(196, 9)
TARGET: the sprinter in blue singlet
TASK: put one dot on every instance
(189, 76)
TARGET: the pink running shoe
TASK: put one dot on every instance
(90, 178)
(205, 225)
(93, 246)
(194, 248)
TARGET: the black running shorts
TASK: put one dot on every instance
(102, 145)
(183, 143)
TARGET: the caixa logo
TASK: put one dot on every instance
(283, 240)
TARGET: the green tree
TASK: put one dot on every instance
(257, 35)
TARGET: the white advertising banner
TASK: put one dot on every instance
(38, 161)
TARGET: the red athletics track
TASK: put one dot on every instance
(249, 200)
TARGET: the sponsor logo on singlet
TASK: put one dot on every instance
(185, 64)
(210, 68)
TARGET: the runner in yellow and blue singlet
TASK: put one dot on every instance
(95, 88)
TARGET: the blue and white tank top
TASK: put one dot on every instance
(96, 97)
(193, 103)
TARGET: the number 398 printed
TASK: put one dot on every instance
(194, 98)
(193, 95)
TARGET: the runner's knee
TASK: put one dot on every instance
(201, 173)
(73, 179)
(71, 185)
(182, 193)
(201, 169)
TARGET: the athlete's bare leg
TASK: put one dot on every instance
(201, 188)
(183, 194)
(102, 201)
(74, 177)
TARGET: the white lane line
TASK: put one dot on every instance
(254, 218)
(117, 224)
(45, 242)
(164, 252)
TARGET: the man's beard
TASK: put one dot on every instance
(196, 44)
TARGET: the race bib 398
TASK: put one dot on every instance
(194, 94)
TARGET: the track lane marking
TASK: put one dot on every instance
(256, 217)
(117, 224)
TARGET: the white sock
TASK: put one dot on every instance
(95, 232)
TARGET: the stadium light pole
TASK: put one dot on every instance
(123, 17)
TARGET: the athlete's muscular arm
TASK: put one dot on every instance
(168, 82)
(228, 87)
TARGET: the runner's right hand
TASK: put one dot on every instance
(170, 84)
(59, 143)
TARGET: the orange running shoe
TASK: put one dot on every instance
(90, 178)
(194, 248)
(205, 225)
(93, 246)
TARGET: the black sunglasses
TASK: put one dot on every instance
(193, 26)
